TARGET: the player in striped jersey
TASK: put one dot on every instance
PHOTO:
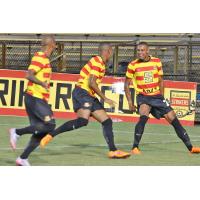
(86, 104)
(146, 75)
(36, 101)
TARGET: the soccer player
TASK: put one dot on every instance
(86, 104)
(36, 101)
(146, 75)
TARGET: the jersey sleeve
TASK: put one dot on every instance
(130, 71)
(37, 63)
(159, 66)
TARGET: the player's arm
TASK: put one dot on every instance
(128, 93)
(161, 84)
(160, 79)
(93, 85)
(31, 77)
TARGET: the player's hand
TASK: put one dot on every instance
(110, 102)
(132, 107)
(45, 85)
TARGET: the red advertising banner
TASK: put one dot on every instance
(182, 96)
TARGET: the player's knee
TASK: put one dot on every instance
(144, 113)
(170, 116)
(82, 122)
(143, 120)
(107, 122)
(41, 128)
(144, 109)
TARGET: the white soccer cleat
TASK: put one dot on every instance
(22, 162)
(13, 138)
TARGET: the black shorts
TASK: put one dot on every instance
(38, 110)
(82, 99)
(159, 107)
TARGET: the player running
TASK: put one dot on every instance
(36, 101)
(86, 104)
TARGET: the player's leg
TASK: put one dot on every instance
(144, 111)
(82, 103)
(180, 131)
(102, 117)
(162, 109)
(99, 113)
(40, 116)
(34, 142)
(38, 109)
(32, 118)
(107, 125)
(42, 122)
(40, 127)
(81, 120)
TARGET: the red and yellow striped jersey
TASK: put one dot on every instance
(96, 67)
(145, 75)
(41, 66)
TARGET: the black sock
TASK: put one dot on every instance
(139, 129)
(37, 129)
(32, 145)
(108, 134)
(26, 130)
(181, 133)
(70, 125)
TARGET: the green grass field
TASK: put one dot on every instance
(86, 147)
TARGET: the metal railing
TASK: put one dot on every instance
(180, 61)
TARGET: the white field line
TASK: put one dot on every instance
(51, 147)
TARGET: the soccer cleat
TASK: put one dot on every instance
(135, 151)
(118, 154)
(45, 140)
(13, 138)
(22, 162)
(195, 150)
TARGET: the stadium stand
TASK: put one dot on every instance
(180, 53)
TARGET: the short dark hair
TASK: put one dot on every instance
(143, 43)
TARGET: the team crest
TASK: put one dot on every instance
(47, 118)
(86, 104)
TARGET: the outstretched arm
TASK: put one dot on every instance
(93, 85)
